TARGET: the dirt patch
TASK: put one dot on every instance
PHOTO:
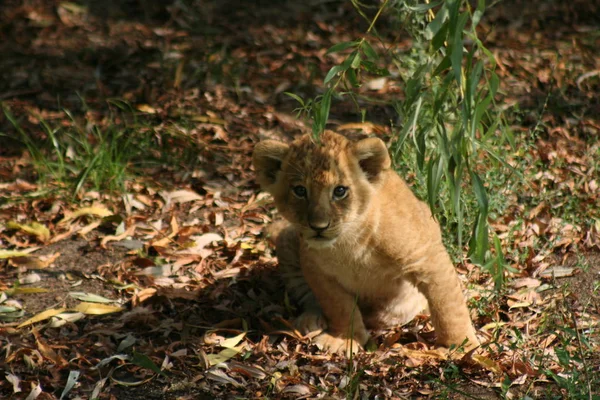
(75, 270)
(585, 284)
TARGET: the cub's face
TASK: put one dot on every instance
(324, 187)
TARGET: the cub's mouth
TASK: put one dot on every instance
(318, 240)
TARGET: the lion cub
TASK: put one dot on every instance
(360, 250)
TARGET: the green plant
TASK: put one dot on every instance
(450, 130)
(79, 152)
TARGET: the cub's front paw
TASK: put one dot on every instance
(337, 344)
(312, 321)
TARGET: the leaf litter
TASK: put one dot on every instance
(193, 278)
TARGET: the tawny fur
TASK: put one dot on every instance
(379, 262)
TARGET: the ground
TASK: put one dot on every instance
(167, 288)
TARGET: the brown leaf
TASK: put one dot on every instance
(47, 351)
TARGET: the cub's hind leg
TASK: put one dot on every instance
(287, 244)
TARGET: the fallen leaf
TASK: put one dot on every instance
(28, 290)
(90, 297)
(15, 381)
(557, 272)
(112, 238)
(200, 242)
(36, 229)
(47, 351)
(97, 308)
(30, 278)
(232, 342)
(223, 355)
(16, 253)
(218, 375)
(42, 316)
(142, 296)
(248, 370)
(63, 318)
(487, 363)
(32, 262)
(181, 196)
(89, 227)
(98, 211)
(71, 381)
(35, 392)
(299, 390)
(145, 108)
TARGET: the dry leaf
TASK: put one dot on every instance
(42, 316)
(487, 363)
(98, 211)
(112, 238)
(97, 308)
(223, 355)
(16, 253)
(36, 229)
(181, 196)
(145, 108)
(218, 375)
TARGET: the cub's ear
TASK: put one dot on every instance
(267, 158)
(373, 157)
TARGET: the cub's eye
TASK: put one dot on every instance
(299, 191)
(340, 192)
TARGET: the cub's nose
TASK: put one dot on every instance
(319, 226)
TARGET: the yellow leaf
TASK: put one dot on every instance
(34, 228)
(519, 304)
(223, 355)
(12, 253)
(487, 363)
(95, 210)
(97, 308)
(28, 290)
(145, 108)
(435, 354)
(42, 316)
(32, 262)
(208, 120)
(232, 342)
(492, 325)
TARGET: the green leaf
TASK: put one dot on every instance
(144, 361)
(352, 78)
(424, 6)
(494, 83)
(325, 107)
(478, 13)
(456, 54)
(442, 66)
(369, 51)
(439, 40)
(480, 193)
(434, 26)
(341, 47)
(90, 297)
(356, 61)
(435, 170)
(295, 97)
(372, 68)
(333, 72)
